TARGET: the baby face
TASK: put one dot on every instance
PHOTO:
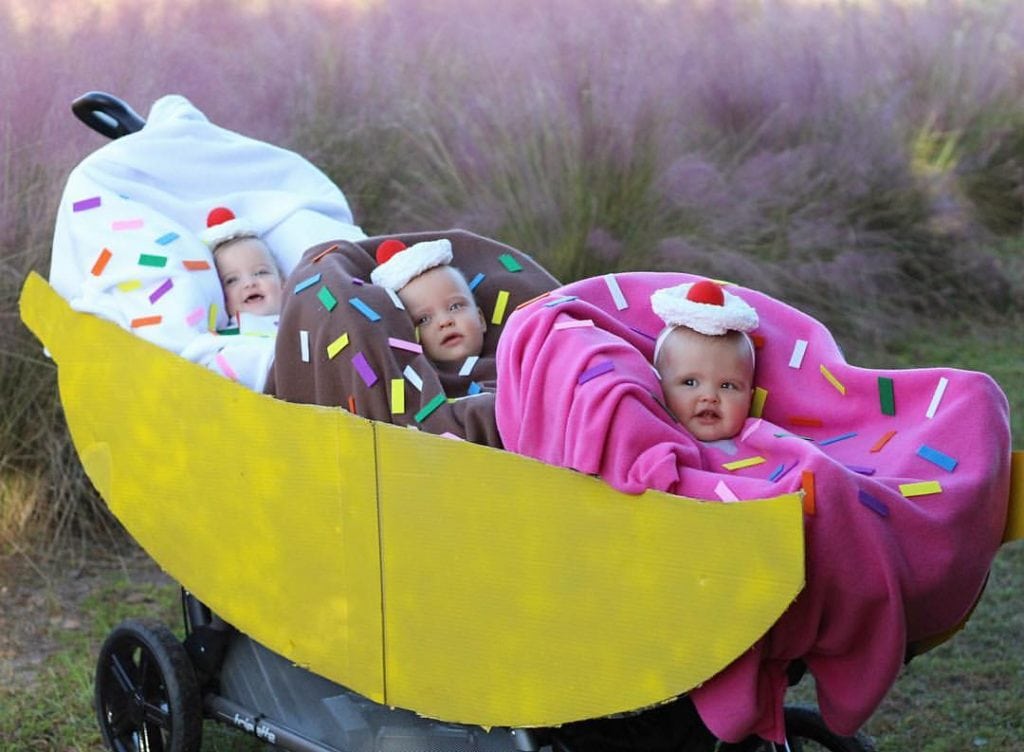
(708, 381)
(249, 276)
(443, 309)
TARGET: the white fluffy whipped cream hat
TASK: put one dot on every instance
(222, 225)
(704, 307)
(397, 264)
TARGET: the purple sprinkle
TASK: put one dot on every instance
(644, 334)
(862, 469)
(161, 290)
(364, 369)
(357, 281)
(840, 437)
(872, 503)
(85, 204)
(595, 371)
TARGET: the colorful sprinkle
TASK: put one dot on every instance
(803, 420)
(875, 505)
(404, 344)
(886, 396)
(757, 403)
(85, 204)
(779, 471)
(573, 324)
(594, 371)
(148, 259)
(126, 224)
(475, 282)
(835, 439)
(129, 284)
(754, 425)
(474, 388)
(643, 334)
(397, 301)
(724, 492)
(430, 407)
(883, 441)
(414, 378)
(613, 287)
(226, 368)
(324, 252)
(364, 309)
(146, 321)
(306, 283)
(304, 345)
(532, 300)
(796, 359)
(937, 397)
(362, 366)
(167, 238)
(101, 262)
(510, 263)
(327, 298)
(161, 290)
(337, 346)
(560, 301)
(467, 367)
(861, 469)
(740, 464)
(397, 396)
(196, 266)
(211, 318)
(499, 307)
(832, 379)
(936, 457)
(922, 488)
(196, 316)
(807, 483)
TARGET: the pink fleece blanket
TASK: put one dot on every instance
(909, 471)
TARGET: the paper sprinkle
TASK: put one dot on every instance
(936, 457)
(560, 301)
(882, 441)
(362, 366)
(922, 488)
(573, 324)
(724, 492)
(304, 345)
(413, 377)
(306, 283)
(146, 321)
(101, 262)
(832, 379)
(499, 307)
(474, 388)
(807, 483)
(404, 344)
(395, 299)
(596, 370)
(324, 252)
(148, 259)
(757, 403)
(467, 367)
(740, 464)
(509, 262)
(196, 316)
(226, 368)
(643, 334)
(126, 224)
(797, 357)
(211, 318)
(475, 282)
(195, 265)
(835, 439)
(430, 407)
(129, 284)
(875, 505)
(754, 425)
(85, 204)
(352, 404)
(861, 469)
(397, 396)
(779, 471)
(337, 346)
(364, 309)
(886, 397)
(937, 397)
(616, 292)
(327, 298)
(161, 290)
(532, 300)
(803, 420)
(167, 238)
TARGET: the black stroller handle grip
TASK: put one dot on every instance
(106, 114)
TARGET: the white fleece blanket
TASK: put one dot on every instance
(126, 243)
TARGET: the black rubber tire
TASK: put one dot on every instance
(672, 727)
(807, 732)
(147, 698)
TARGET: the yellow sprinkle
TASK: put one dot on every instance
(397, 396)
(499, 307)
(832, 379)
(211, 318)
(757, 404)
(740, 464)
(337, 346)
(922, 488)
(129, 285)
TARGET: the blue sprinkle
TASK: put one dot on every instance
(872, 503)
(307, 282)
(936, 457)
(168, 238)
(840, 437)
(559, 301)
(476, 281)
(474, 388)
(777, 472)
(364, 309)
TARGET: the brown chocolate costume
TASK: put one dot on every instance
(330, 276)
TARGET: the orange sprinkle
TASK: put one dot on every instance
(323, 253)
(803, 420)
(532, 300)
(758, 340)
(196, 266)
(883, 441)
(352, 404)
(101, 262)
(807, 481)
(146, 321)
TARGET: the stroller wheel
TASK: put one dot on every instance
(147, 698)
(805, 732)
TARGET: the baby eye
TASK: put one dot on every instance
(454, 307)
(689, 382)
(230, 280)
(421, 320)
(729, 385)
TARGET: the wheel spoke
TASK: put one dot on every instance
(157, 715)
(122, 675)
(152, 739)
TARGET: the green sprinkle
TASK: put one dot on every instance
(886, 396)
(428, 408)
(147, 259)
(327, 299)
(509, 262)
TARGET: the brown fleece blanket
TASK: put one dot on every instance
(342, 341)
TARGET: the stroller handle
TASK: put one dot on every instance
(106, 114)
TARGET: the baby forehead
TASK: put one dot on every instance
(441, 280)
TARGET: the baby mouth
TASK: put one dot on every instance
(451, 339)
(254, 298)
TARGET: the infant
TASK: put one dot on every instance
(705, 358)
(248, 273)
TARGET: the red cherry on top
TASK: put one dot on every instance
(706, 291)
